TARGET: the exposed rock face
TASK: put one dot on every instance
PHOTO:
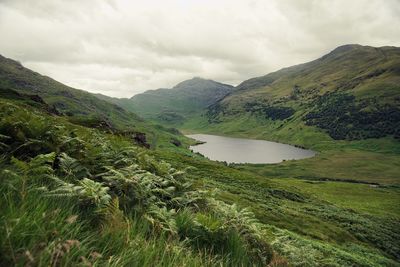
(176, 142)
(140, 139)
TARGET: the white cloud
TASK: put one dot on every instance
(121, 48)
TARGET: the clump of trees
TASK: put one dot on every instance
(269, 111)
(343, 117)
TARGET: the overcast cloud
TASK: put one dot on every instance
(121, 48)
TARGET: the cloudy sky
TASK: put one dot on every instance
(121, 48)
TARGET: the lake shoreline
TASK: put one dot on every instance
(234, 150)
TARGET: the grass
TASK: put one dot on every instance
(298, 217)
(371, 160)
(43, 232)
(314, 211)
(351, 166)
(363, 198)
(72, 195)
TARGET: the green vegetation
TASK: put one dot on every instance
(351, 93)
(84, 182)
(74, 195)
(18, 82)
(340, 105)
(309, 222)
(343, 119)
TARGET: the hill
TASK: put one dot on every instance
(352, 93)
(80, 107)
(173, 106)
(344, 105)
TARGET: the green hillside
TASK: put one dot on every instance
(77, 196)
(80, 107)
(173, 106)
(351, 93)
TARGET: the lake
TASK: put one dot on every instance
(240, 150)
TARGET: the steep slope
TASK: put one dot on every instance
(173, 106)
(69, 101)
(78, 106)
(351, 93)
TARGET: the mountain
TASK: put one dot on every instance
(173, 106)
(352, 93)
(80, 107)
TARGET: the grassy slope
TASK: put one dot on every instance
(138, 218)
(80, 106)
(313, 215)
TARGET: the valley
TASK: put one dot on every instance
(357, 163)
(115, 165)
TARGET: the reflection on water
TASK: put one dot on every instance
(240, 150)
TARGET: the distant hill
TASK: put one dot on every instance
(173, 106)
(80, 107)
(351, 93)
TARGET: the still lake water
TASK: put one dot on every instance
(240, 150)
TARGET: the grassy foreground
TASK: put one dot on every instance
(76, 196)
(311, 223)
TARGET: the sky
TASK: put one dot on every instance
(121, 48)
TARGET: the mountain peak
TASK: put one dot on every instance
(197, 78)
(345, 48)
(198, 83)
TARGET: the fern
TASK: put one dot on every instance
(73, 145)
(112, 216)
(162, 219)
(71, 167)
(247, 225)
(87, 191)
(39, 166)
(4, 146)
